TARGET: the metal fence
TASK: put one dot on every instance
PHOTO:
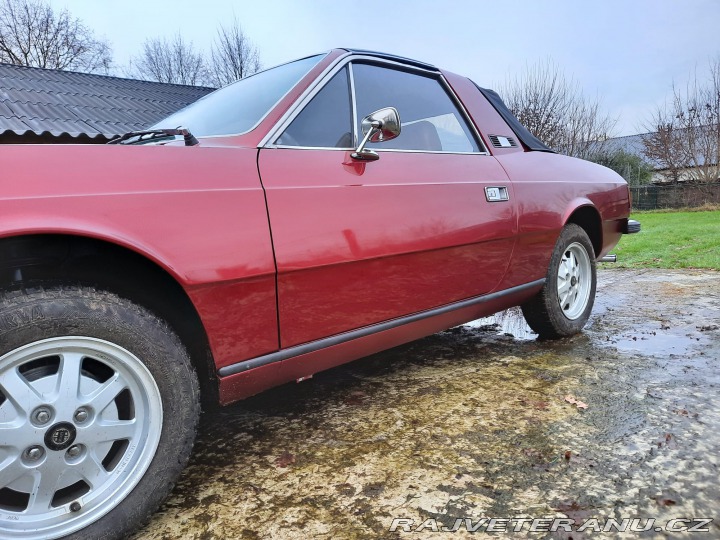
(652, 197)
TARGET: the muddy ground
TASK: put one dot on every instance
(474, 422)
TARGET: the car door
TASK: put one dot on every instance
(357, 243)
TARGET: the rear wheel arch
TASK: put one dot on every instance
(80, 260)
(588, 218)
(563, 305)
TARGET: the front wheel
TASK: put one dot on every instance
(564, 304)
(98, 413)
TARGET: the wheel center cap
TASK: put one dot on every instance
(573, 281)
(60, 436)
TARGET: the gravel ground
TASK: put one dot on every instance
(475, 422)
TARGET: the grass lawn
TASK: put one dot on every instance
(671, 240)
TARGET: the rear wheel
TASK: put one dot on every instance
(563, 306)
(98, 412)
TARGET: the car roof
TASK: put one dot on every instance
(393, 57)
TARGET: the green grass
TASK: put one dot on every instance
(672, 240)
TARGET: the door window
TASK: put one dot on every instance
(430, 120)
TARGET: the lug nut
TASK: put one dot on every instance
(81, 415)
(74, 451)
(34, 453)
(42, 416)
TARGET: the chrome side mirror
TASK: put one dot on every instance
(380, 126)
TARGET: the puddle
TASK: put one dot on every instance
(650, 343)
(509, 323)
(471, 422)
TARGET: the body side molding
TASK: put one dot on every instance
(313, 346)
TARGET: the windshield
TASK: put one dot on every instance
(238, 107)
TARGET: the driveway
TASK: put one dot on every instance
(480, 421)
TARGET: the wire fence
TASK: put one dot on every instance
(653, 197)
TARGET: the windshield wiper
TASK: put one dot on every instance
(149, 134)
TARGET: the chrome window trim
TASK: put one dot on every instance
(347, 59)
(353, 104)
(379, 150)
(286, 147)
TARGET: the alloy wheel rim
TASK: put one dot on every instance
(574, 281)
(80, 421)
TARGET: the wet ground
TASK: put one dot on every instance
(478, 421)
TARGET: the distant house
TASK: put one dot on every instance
(635, 144)
(51, 106)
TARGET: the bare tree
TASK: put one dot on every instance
(554, 109)
(32, 34)
(233, 56)
(170, 61)
(685, 137)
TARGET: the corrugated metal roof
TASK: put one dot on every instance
(64, 102)
(635, 144)
(630, 144)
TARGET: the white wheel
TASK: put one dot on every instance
(574, 281)
(98, 412)
(81, 420)
(563, 305)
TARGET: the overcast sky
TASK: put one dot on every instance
(625, 52)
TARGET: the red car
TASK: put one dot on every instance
(303, 217)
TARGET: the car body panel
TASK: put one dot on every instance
(482, 113)
(358, 243)
(189, 210)
(546, 198)
(245, 384)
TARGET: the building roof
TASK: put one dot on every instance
(635, 144)
(42, 101)
(630, 144)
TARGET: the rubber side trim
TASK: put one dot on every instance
(337, 339)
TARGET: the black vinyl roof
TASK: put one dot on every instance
(42, 101)
(528, 139)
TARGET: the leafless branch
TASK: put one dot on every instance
(170, 61)
(554, 109)
(233, 56)
(32, 34)
(685, 136)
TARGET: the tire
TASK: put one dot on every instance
(99, 406)
(563, 305)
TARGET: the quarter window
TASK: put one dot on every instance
(430, 120)
(326, 122)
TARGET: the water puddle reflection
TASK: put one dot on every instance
(509, 322)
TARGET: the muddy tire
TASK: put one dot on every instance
(563, 306)
(99, 406)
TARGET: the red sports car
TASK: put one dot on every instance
(303, 217)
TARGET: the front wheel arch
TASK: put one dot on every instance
(51, 259)
(66, 349)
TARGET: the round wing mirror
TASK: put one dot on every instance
(380, 126)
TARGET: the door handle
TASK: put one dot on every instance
(497, 194)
